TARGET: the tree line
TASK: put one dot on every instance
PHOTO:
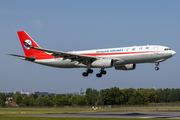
(110, 96)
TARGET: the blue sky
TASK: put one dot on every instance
(67, 25)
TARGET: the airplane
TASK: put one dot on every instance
(123, 58)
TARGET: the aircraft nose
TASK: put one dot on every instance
(173, 53)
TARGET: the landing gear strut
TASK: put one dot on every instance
(102, 72)
(85, 74)
(89, 71)
(156, 68)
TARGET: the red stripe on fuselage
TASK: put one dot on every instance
(115, 53)
(47, 56)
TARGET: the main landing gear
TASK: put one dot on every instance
(156, 68)
(90, 71)
(102, 72)
(85, 74)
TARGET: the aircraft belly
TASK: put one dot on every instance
(142, 58)
(138, 58)
(60, 63)
(146, 57)
(131, 58)
(157, 56)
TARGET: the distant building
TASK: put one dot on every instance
(24, 93)
(41, 93)
(9, 99)
(74, 93)
(13, 104)
(82, 93)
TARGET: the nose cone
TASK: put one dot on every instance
(173, 53)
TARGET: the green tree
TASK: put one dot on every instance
(116, 93)
(40, 101)
(81, 100)
(112, 96)
(26, 101)
(92, 96)
(73, 100)
(48, 101)
(138, 98)
(166, 97)
(34, 96)
(176, 94)
(57, 97)
(3, 97)
(106, 97)
(62, 101)
(32, 101)
(131, 101)
(120, 100)
(14, 96)
(160, 94)
(44, 101)
(18, 99)
(2, 103)
(128, 93)
(22, 104)
(149, 95)
(51, 97)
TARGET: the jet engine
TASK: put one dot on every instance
(102, 63)
(126, 67)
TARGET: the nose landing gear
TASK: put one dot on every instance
(156, 68)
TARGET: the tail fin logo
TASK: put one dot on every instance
(27, 43)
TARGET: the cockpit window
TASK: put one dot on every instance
(167, 49)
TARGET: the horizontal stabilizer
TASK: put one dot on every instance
(32, 58)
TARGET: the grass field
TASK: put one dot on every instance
(70, 118)
(17, 111)
(5, 113)
(21, 111)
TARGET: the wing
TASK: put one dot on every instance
(67, 55)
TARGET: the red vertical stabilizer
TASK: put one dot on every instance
(26, 41)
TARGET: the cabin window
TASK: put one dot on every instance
(167, 49)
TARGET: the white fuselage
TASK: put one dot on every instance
(121, 56)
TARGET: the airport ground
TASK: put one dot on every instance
(90, 113)
(73, 118)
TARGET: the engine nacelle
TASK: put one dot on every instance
(126, 67)
(102, 63)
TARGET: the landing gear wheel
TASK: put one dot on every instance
(156, 64)
(103, 72)
(99, 75)
(85, 74)
(156, 68)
